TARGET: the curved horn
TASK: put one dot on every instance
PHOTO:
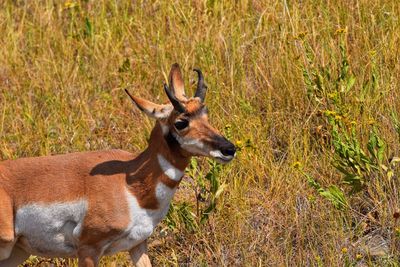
(175, 102)
(129, 94)
(201, 87)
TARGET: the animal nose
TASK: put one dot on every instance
(229, 151)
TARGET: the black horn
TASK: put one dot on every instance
(129, 94)
(201, 86)
(175, 102)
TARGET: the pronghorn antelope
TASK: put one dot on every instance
(98, 203)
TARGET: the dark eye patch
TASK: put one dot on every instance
(181, 124)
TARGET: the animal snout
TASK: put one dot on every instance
(229, 151)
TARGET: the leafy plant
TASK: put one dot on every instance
(355, 160)
(350, 159)
(213, 192)
(181, 213)
(332, 193)
(208, 189)
(396, 124)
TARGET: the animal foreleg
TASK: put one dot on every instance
(17, 257)
(88, 257)
(139, 255)
(6, 225)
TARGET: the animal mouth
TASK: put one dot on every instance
(223, 159)
(219, 157)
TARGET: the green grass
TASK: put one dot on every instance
(275, 71)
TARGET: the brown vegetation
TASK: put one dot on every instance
(308, 90)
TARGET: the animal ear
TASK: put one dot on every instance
(151, 109)
(176, 82)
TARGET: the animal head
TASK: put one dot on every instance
(186, 119)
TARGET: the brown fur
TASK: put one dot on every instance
(102, 177)
(96, 176)
(6, 218)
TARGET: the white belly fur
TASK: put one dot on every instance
(53, 230)
(50, 229)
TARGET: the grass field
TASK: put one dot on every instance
(308, 90)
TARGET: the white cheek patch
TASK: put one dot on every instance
(169, 170)
(192, 145)
(196, 147)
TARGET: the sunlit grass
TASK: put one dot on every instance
(64, 65)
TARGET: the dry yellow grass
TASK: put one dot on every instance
(63, 65)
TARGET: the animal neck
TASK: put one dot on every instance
(162, 145)
(162, 161)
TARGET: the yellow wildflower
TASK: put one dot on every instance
(297, 165)
(338, 117)
(341, 30)
(371, 121)
(332, 95)
(397, 231)
(70, 4)
(329, 113)
(239, 143)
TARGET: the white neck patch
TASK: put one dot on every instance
(169, 170)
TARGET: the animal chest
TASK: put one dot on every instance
(142, 221)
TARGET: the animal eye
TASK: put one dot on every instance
(181, 124)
